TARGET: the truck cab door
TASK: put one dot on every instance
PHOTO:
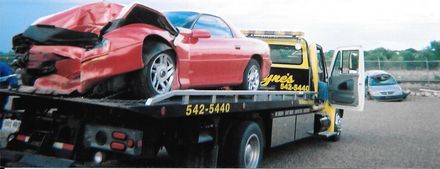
(346, 81)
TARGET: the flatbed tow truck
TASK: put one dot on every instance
(198, 128)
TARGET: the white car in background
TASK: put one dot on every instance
(381, 85)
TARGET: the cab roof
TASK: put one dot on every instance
(275, 37)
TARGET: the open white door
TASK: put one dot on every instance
(346, 81)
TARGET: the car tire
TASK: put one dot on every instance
(251, 76)
(337, 128)
(244, 146)
(157, 76)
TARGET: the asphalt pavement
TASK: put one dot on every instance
(386, 134)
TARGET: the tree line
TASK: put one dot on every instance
(429, 53)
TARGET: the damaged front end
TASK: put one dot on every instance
(68, 52)
(56, 43)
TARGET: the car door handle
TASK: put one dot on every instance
(238, 47)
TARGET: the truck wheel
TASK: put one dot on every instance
(244, 147)
(251, 76)
(337, 128)
(157, 75)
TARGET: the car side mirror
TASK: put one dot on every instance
(200, 33)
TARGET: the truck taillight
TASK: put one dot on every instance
(118, 146)
(139, 143)
(119, 135)
(63, 146)
(123, 140)
(130, 143)
(23, 138)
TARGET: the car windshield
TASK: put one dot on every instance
(182, 19)
(381, 80)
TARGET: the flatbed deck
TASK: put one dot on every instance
(175, 103)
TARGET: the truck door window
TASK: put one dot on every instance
(337, 68)
(346, 63)
(285, 54)
(321, 64)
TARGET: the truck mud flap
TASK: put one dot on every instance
(34, 160)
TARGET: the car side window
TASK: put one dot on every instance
(216, 26)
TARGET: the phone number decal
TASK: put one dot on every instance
(202, 109)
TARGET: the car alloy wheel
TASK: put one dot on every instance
(253, 78)
(162, 73)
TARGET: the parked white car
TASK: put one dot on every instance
(381, 85)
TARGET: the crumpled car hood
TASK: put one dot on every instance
(52, 49)
(87, 18)
(81, 26)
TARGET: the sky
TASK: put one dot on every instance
(392, 24)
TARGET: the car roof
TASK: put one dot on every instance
(375, 72)
(184, 12)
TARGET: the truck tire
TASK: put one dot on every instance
(244, 146)
(158, 73)
(338, 127)
(251, 76)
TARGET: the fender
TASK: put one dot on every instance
(152, 48)
(126, 45)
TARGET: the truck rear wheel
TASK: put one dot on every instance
(244, 146)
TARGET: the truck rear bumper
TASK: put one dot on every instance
(25, 159)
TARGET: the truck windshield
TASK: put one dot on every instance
(285, 54)
(381, 80)
(182, 19)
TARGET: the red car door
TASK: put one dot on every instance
(216, 60)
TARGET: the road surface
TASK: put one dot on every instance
(387, 134)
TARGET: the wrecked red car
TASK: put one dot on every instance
(107, 49)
